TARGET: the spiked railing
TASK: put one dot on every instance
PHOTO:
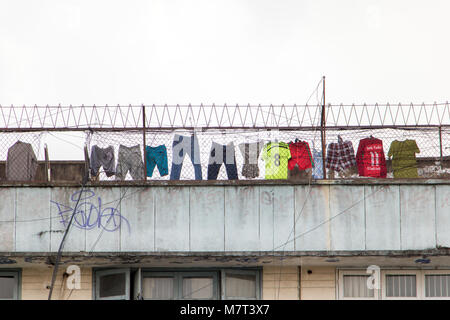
(14, 118)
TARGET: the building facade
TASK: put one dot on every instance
(317, 234)
(227, 240)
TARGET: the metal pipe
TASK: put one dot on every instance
(322, 131)
(143, 138)
(440, 147)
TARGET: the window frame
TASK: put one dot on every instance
(420, 282)
(355, 272)
(434, 272)
(257, 274)
(178, 277)
(394, 272)
(217, 273)
(202, 274)
(104, 272)
(158, 274)
(18, 280)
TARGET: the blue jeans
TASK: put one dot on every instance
(181, 146)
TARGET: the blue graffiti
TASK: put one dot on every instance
(90, 213)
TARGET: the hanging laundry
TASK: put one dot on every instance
(276, 156)
(250, 152)
(404, 161)
(370, 158)
(340, 155)
(222, 154)
(102, 157)
(181, 146)
(317, 172)
(130, 159)
(157, 156)
(300, 155)
(21, 162)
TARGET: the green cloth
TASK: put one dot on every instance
(276, 156)
(403, 155)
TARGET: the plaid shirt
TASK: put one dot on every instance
(340, 155)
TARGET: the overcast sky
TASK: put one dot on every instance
(234, 51)
(209, 51)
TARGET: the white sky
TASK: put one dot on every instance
(207, 51)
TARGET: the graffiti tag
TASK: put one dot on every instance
(90, 213)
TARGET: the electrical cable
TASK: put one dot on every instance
(304, 203)
(61, 246)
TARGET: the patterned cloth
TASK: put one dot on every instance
(340, 155)
(317, 172)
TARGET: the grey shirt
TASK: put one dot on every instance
(21, 162)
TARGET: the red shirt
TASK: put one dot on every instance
(370, 158)
(300, 154)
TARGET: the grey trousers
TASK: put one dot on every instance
(102, 157)
(130, 159)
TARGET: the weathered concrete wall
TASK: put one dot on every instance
(227, 218)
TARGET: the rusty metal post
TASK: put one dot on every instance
(322, 131)
(143, 138)
(440, 147)
(47, 164)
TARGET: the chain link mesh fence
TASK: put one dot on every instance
(111, 144)
(431, 160)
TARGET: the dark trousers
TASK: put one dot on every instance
(181, 146)
(219, 155)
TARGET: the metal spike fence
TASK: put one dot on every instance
(151, 125)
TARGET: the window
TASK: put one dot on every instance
(112, 284)
(195, 287)
(178, 284)
(158, 287)
(201, 285)
(396, 284)
(240, 284)
(353, 285)
(9, 285)
(437, 284)
(401, 284)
